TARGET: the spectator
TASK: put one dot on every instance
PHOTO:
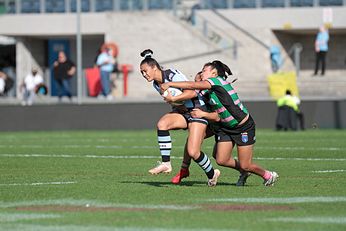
(6, 83)
(289, 112)
(64, 69)
(275, 58)
(30, 86)
(321, 49)
(106, 62)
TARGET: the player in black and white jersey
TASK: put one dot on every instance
(178, 118)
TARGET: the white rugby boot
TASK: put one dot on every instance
(162, 167)
(273, 178)
(213, 181)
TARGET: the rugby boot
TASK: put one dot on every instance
(273, 178)
(183, 173)
(162, 167)
(242, 178)
(213, 181)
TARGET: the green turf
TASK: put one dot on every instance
(117, 193)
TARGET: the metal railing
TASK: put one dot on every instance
(63, 6)
(216, 35)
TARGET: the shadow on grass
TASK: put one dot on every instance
(168, 183)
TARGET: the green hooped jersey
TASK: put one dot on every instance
(223, 99)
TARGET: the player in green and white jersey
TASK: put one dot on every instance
(232, 125)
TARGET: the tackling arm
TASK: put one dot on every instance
(202, 85)
(212, 116)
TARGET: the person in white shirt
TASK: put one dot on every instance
(2, 82)
(30, 84)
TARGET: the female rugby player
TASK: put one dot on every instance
(179, 118)
(233, 123)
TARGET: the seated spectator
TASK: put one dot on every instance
(30, 86)
(6, 83)
(289, 113)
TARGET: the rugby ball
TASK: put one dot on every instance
(174, 92)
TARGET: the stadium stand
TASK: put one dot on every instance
(221, 31)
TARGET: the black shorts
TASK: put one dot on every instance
(241, 135)
(187, 115)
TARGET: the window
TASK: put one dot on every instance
(85, 5)
(300, 3)
(244, 4)
(55, 6)
(30, 6)
(331, 2)
(104, 5)
(273, 3)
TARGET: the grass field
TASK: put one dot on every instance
(98, 180)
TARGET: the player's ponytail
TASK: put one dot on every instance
(222, 69)
(147, 55)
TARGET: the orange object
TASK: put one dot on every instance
(126, 68)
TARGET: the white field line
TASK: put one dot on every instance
(39, 183)
(329, 171)
(320, 220)
(176, 146)
(300, 159)
(9, 217)
(30, 227)
(283, 200)
(154, 157)
(93, 203)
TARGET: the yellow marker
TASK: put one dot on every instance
(287, 26)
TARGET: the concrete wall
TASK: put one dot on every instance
(322, 114)
(177, 45)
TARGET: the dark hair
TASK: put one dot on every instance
(288, 92)
(220, 67)
(147, 54)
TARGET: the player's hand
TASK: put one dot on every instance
(168, 98)
(164, 87)
(197, 113)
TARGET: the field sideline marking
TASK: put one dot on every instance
(329, 171)
(39, 183)
(30, 227)
(10, 217)
(177, 146)
(282, 200)
(155, 157)
(322, 220)
(93, 203)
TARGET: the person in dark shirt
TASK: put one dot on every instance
(64, 69)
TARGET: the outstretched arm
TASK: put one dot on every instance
(202, 85)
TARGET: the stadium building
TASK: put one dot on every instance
(183, 34)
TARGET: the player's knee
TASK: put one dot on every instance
(162, 125)
(245, 166)
(193, 152)
(221, 161)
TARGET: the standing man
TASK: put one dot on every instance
(321, 49)
(64, 69)
(106, 62)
